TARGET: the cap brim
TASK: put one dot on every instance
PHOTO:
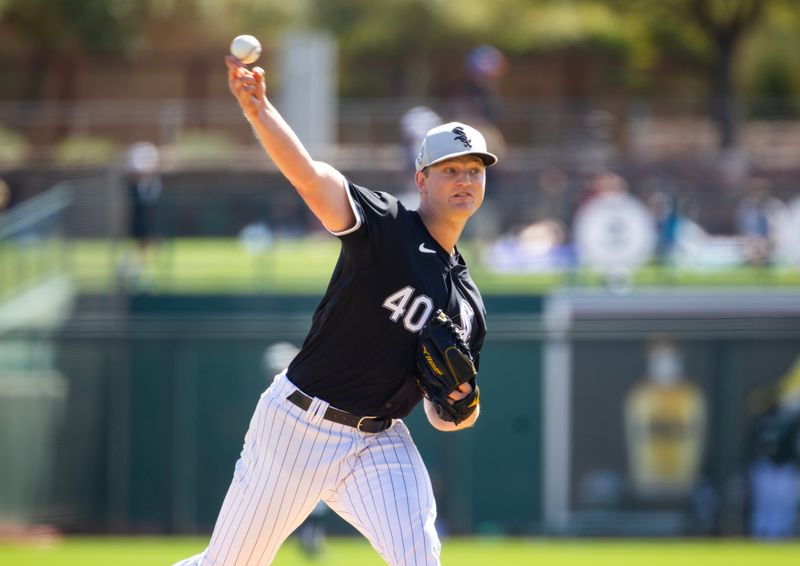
(488, 159)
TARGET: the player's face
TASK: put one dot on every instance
(454, 187)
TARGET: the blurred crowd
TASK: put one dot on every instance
(584, 219)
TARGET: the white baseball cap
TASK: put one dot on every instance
(452, 140)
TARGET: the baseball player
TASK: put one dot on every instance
(330, 427)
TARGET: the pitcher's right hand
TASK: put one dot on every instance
(247, 86)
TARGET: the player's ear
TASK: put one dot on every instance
(421, 180)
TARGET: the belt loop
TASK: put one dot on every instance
(281, 383)
(316, 411)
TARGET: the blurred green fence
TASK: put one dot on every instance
(156, 400)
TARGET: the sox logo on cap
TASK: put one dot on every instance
(452, 140)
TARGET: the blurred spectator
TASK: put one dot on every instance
(484, 65)
(414, 124)
(602, 182)
(256, 237)
(694, 248)
(312, 532)
(664, 207)
(774, 458)
(539, 247)
(613, 232)
(599, 183)
(757, 218)
(144, 186)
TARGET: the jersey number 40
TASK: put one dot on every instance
(414, 310)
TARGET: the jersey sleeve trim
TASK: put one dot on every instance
(356, 212)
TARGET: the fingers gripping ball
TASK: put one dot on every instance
(246, 48)
(444, 362)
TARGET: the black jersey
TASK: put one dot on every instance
(391, 276)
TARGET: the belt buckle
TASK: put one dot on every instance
(358, 424)
(375, 419)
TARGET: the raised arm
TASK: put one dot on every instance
(320, 185)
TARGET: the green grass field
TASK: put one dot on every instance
(129, 551)
(293, 266)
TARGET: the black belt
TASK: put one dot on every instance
(364, 424)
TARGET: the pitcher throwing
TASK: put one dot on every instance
(329, 428)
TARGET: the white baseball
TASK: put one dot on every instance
(246, 48)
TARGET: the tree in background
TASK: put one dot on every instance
(57, 34)
(58, 37)
(725, 24)
(712, 33)
(411, 46)
(734, 47)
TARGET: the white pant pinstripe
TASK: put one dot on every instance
(293, 458)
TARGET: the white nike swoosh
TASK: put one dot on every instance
(425, 250)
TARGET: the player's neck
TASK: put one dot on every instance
(446, 231)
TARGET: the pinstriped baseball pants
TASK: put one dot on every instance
(292, 458)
